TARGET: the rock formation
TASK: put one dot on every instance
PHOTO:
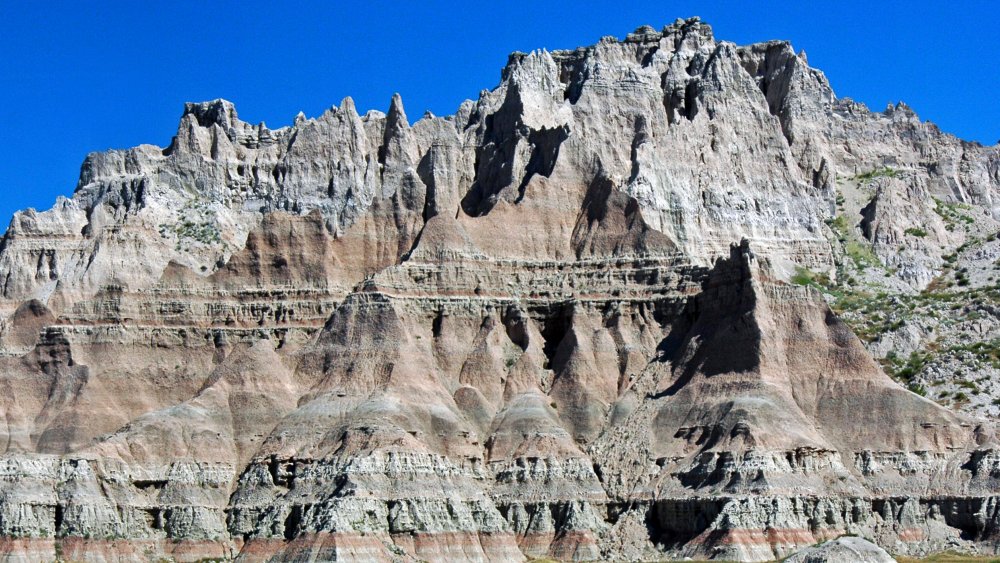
(558, 323)
(842, 550)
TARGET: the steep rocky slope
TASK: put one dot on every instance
(592, 315)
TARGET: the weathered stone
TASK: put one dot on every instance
(843, 550)
(530, 329)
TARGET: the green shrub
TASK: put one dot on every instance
(968, 385)
(861, 254)
(884, 172)
(802, 276)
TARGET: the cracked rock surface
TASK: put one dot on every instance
(648, 299)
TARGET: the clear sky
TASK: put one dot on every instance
(77, 77)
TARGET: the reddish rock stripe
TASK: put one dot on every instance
(107, 550)
(354, 546)
(27, 549)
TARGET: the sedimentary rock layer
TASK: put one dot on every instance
(554, 324)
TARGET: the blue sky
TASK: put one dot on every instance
(78, 77)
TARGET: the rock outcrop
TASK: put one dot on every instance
(558, 324)
(843, 550)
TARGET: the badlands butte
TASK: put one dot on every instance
(656, 298)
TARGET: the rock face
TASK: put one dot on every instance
(556, 324)
(843, 550)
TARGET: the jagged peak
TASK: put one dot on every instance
(528, 67)
(396, 118)
(899, 108)
(683, 24)
(680, 29)
(643, 33)
(218, 111)
(347, 105)
(692, 28)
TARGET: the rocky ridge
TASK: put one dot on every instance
(586, 317)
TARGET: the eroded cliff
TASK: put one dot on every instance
(555, 324)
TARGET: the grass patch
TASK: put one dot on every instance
(807, 277)
(953, 214)
(906, 370)
(884, 172)
(839, 224)
(859, 252)
(987, 352)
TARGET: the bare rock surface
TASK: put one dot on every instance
(843, 550)
(656, 298)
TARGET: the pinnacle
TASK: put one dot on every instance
(396, 115)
